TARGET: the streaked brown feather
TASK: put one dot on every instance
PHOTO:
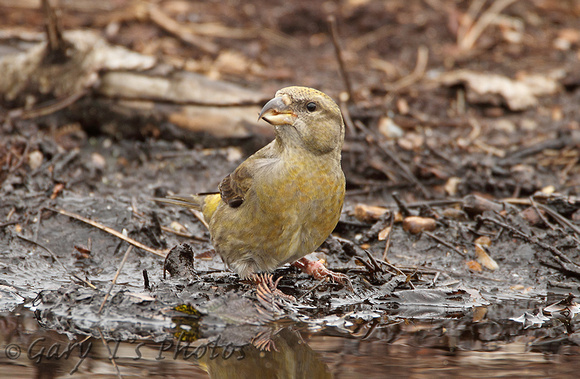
(233, 187)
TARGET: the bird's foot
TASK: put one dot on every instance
(268, 292)
(264, 342)
(318, 271)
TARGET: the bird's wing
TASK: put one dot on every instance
(234, 187)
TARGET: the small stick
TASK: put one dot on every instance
(402, 207)
(483, 22)
(443, 242)
(200, 217)
(540, 215)
(385, 149)
(338, 52)
(347, 119)
(368, 266)
(146, 280)
(22, 158)
(115, 278)
(392, 267)
(416, 75)
(46, 109)
(312, 289)
(436, 277)
(559, 218)
(5, 224)
(111, 356)
(374, 262)
(388, 239)
(161, 253)
(471, 16)
(37, 226)
(158, 17)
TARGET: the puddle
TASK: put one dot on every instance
(476, 343)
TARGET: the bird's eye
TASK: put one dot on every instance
(311, 107)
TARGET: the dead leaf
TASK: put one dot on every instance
(474, 266)
(484, 258)
(368, 213)
(383, 234)
(496, 89)
(416, 224)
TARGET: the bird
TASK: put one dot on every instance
(282, 202)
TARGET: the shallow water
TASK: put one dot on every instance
(480, 343)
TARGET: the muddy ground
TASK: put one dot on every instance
(461, 227)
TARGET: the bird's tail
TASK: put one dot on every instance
(206, 203)
(192, 201)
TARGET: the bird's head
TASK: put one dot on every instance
(306, 118)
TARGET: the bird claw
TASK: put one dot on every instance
(264, 342)
(318, 271)
(267, 292)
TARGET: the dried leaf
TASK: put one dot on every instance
(384, 234)
(368, 213)
(416, 224)
(483, 240)
(484, 258)
(474, 266)
(496, 89)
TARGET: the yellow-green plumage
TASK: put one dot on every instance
(284, 201)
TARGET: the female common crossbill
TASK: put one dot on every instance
(284, 201)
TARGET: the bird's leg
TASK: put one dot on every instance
(319, 271)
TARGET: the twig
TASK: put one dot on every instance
(482, 23)
(22, 158)
(558, 217)
(161, 253)
(339, 58)
(50, 108)
(391, 266)
(170, 25)
(388, 239)
(56, 44)
(540, 215)
(347, 119)
(385, 149)
(111, 356)
(367, 265)
(37, 226)
(53, 255)
(5, 224)
(363, 41)
(554, 144)
(200, 217)
(115, 278)
(402, 206)
(146, 280)
(323, 280)
(435, 278)
(470, 17)
(416, 75)
(445, 243)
